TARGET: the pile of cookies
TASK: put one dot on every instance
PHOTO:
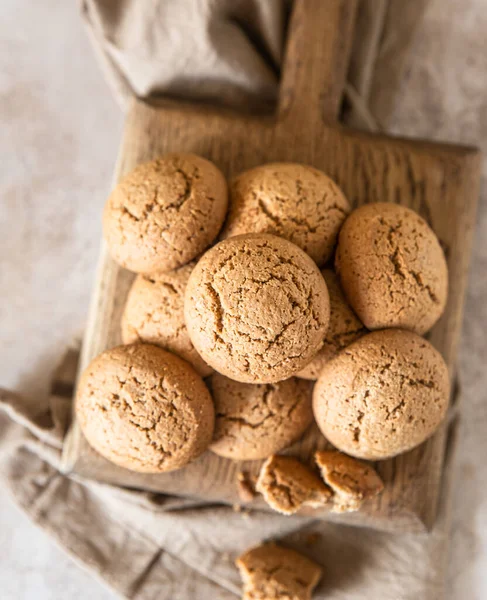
(289, 305)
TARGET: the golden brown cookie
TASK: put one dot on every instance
(154, 313)
(294, 201)
(164, 213)
(255, 421)
(351, 480)
(344, 328)
(270, 571)
(256, 308)
(144, 409)
(383, 395)
(392, 268)
(287, 484)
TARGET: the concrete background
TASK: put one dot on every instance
(60, 130)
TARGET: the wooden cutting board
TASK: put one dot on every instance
(438, 181)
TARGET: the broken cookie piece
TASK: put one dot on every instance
(287, 484)
(351, 480)
(271, 571)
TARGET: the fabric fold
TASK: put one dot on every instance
(221, 51)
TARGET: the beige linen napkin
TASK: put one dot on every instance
(152, 546)
(219, 51)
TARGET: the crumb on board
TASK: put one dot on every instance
(245, 486)
(312, 538)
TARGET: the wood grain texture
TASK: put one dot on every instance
(438, 181)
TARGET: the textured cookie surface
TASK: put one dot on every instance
(294, 201)
(351, 480)
(165, 212)
(287, 484)
(344, 328)
(384, 394)
(272, 571)
(154, 313)
(256, 308)
(392, 268)
(255, 421)
(144, 408)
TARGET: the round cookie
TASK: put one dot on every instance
(392, 268)
(255, 421)
(154, 313)
(144, 409)
(383, 395)
(256, 308)
(344, 328)
(164, 213)
(294, 201)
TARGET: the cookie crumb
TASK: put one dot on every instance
(313, 538)
(287, 484)
(351, 480)
(245, 486)
(271, 571)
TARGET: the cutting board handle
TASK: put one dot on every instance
(316, 61)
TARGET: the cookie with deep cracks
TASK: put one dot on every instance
(256, 308)
(293, 201)
(165, 212)
(144, 409)
(383, 395)
(392, 268)
(254, 421)
(154, 313)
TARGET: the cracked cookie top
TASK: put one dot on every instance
(144, 408)
(164, 213)
(294, 201)
(255, 421)
(272, 571)
(383, 395)
(256, 308)
(392, 268)
(154, 313)
(344, 328)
